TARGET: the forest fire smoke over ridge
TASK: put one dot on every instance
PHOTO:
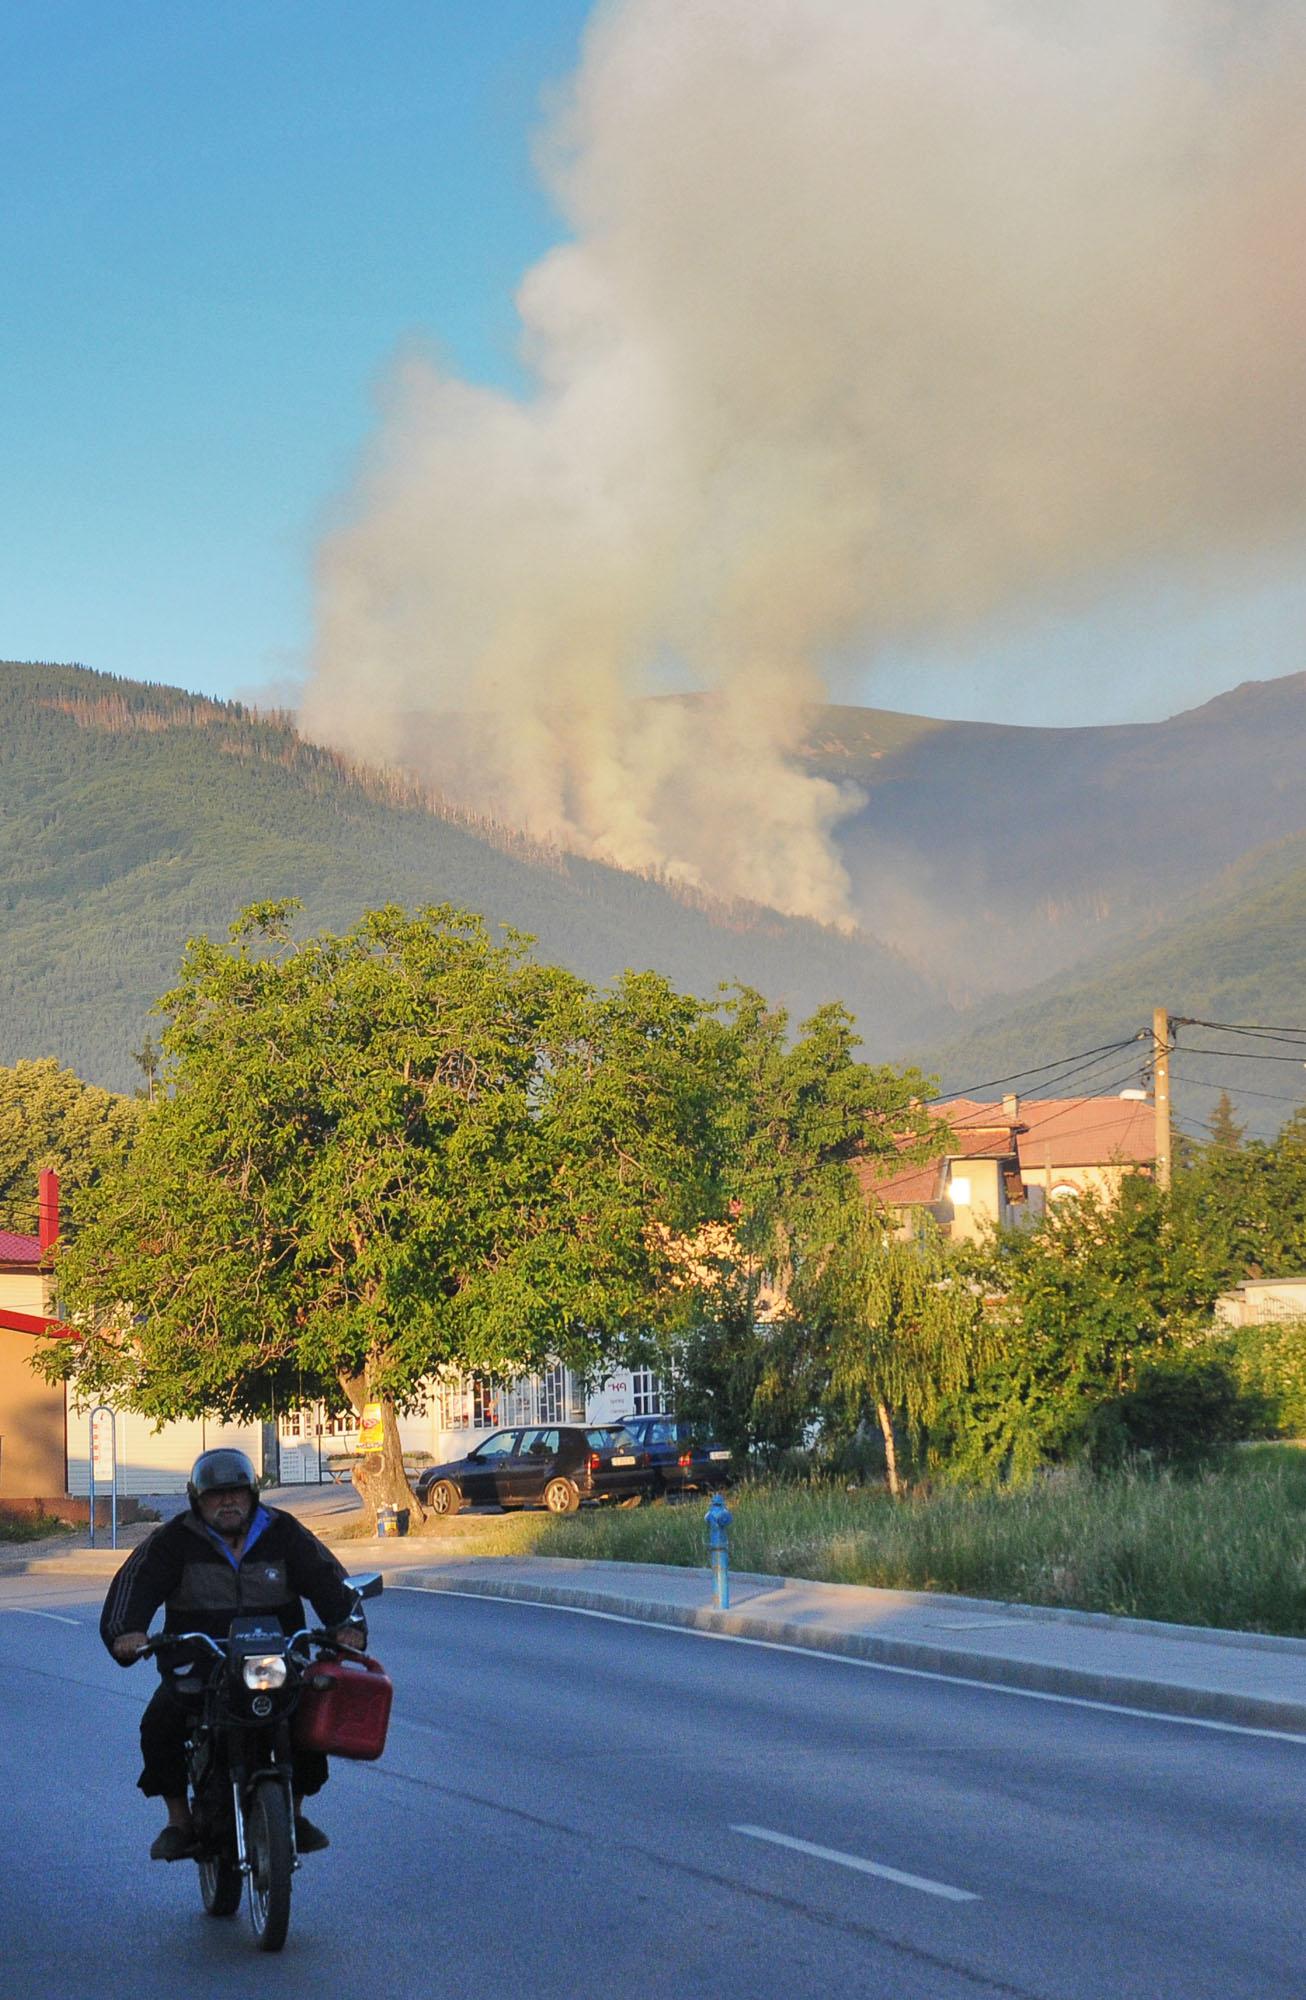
(873, 322)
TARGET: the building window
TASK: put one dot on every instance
(481, 1403)
(648, 1392)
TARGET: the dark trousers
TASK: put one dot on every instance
(163, 1750)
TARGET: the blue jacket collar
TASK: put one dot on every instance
(260, 1520)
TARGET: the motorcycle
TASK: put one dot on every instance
(256, 1694)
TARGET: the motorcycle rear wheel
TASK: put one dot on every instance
(220, 1886)
(271, 1859)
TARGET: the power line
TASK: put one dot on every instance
(1080, 1070)
(1082, 1058)
(1241, 1055)
(1240, 1027)
(1105, 1088)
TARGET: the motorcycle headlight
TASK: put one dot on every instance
(264, 1670)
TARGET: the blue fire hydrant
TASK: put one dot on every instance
(718, 1518)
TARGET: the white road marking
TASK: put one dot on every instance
(856, 1861)
(24, 1611)
(869, 1666)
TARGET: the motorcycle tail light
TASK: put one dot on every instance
(264, 1670)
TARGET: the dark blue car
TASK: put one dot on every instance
(683, 1456)
(558, 1466)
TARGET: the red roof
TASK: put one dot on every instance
(988, 1137)
(1060, 1131)
(1087, 1131)
(15, 1249)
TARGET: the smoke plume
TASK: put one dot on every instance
(876, 318)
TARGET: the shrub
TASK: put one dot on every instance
(1271, 1365)
(1183, 1404)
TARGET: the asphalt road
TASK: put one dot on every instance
(573, 1805)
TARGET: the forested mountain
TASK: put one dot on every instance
(1058, 884)
(996, 855)
(133, 817)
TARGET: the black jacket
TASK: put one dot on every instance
(183, 1567)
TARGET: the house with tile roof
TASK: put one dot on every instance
(1069, 1144)
(1004, 1161)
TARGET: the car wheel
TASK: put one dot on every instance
(444, 1499)
(561, 1497)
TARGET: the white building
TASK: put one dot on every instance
(301, 1447)
(462, 1410)
(159, 1460)
(1262, 1301)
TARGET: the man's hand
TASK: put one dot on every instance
(127, 1645)
(348, 1635)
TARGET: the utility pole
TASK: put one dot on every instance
(1161, 1092)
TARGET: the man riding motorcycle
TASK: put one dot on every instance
(227, 1557)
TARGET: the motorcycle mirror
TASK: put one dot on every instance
(369, 1585)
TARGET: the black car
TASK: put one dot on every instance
(685, 1458)
(557, 1466)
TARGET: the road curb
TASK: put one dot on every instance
(1023, 1676)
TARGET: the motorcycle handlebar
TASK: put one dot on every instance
(172, 1641)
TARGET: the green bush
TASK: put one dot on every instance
(1183, 1404)
(1271, 1364)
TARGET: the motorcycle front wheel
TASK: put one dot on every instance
(220, 1886)
(271, 1863)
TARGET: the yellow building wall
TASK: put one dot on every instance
(32, 1459)
(1103, 1181)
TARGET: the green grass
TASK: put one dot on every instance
(1227, 1547)
(31, 1528)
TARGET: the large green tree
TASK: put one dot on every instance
(1245, 1204)
(50, 1118)
(800, 1113)
(383, 1153)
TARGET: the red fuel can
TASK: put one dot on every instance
(344, 1710)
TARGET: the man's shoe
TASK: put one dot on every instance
(309, 1839)
(175, 1843)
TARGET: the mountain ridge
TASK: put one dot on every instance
(133, 815)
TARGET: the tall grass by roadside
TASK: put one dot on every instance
(1226, 1547)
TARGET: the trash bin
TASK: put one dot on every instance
(387, 1520)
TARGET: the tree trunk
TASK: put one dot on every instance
(379, 1476)
(890, 1449)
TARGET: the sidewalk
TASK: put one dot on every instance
(1244, 1678)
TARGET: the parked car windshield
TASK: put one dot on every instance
(498, 1446)
(661, 1430)
(610, 1439)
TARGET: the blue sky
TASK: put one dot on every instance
(220, 224)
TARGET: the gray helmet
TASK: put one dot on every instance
(214, 1470)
